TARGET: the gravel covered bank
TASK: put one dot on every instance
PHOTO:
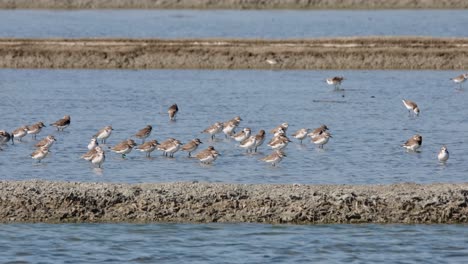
(42, 201)
(338, 53)
(233, 4)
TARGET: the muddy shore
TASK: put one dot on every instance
(338, 53)
(233, 4)
(62, 202)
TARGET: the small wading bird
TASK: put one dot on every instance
(104, 134)
(19, 133)
(191, 146)
(411, 106)
(443, 155)
(169, 146)
(172, 111)
(322, 139)
(35, 129)
(208, 155)
(335, 81)
(144, 133)
(61, 124)
(148, 147)
(46, 142)
(275, 157)
(259, 139)
(93, 143)
(317, 131)
(40, 153)
(124, 147)
(460, 79)
(301, 134)
(414, 143)
(214, 129)
(96, 156)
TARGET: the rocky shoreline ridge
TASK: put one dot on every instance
(232, 4)
(194, 202)
(410, 53)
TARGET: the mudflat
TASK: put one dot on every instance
(334, 53)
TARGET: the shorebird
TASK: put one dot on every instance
(460, 79)
(46, 142)
(301, 134)
(242, 135)
(443, 155)
(61, 124)
(249, 143)
(104, 134)
(99, 157)
(214, 129)
(318, 131)
(19, 133)
(259, 139)
(335, 81)
(283, 127)
(208, 155)
(414, 143)
(4, 137)
(231, 125)
(279, 142)
(411, 106)
(93, 143)
(35, 129)
(172, 111)
(144, 133)
(322, 139)
(148, 147)
(191, 146)
(90, 154)
(40, 153)
(124, 147)
(169, 146)
(275, 157)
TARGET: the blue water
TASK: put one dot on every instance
(368, 122)
(240, 243)
(277, 24)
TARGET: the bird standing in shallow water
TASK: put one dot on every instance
(460, 79)
(191, 146)
(104, 134)
(275, 157)
(124, 147)
(172, 111)
(443, 155)
(61, 124)
(411, 106)
(144, 133)
(208, 155)
(414, 143)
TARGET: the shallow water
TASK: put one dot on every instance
(368, 122)
(240, 243)
(269, 24)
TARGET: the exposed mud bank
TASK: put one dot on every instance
(61, 202)
(233, 4)
(339, 53)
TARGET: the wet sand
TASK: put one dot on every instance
(339, 53)
(233, 4)
(65, 202)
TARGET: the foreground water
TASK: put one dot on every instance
(367, 120)
(277, 24)
(240, 243)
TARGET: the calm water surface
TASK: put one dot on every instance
(240, 243)
(368, 122)
(231, 24)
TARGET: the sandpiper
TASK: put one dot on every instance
(19, 133)
(301, 134)
(283, 126)
(148, 147)
(191, 146)
(242, 135)
(275, 157)
(443, 155)
(249, 143)
(99, 157)
(322, 139)
(40, 153)
(172, 111)
(35, 129)
(4, 137)
(104, 133)
(460, 79)
(317, 131)
(214, 129)
(124, 147)
(208, 155)
(93, 143)
(411, 106)
(61, 124)
(279, 142)
(335, 81)
(259, 139)
(165, 144)
(90, 154)
(144, 133)
(46, 142)
(413, 143)
(170, 146)
(230, 126)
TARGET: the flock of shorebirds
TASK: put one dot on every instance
(96, 154)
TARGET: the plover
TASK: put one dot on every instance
(443, 155)
(144, 133)
(208, 155)
(172, 111)
(19, 133)
(104, 134)
(214, 129)
(165, 144)
(46, 142)
(191, 146)
(93, 143)
(275, 157)
(148, 147)
(249, 143)
(259, 139)
(4, 137)
(40, 153)
(279, 142)
(283, 126)
(411, 106)
(90, 154)
(318, 131)
(230, 126)
(301, 134)
(99, 157)
(61, 124)
(460, 79)
(170, 147)
(413, 143)
(124, 147)
(242, 135)
(35, 129)
(335, 81)
(322, 139)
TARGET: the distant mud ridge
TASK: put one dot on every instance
(60, 202)
(339, 53)
(233, 4)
